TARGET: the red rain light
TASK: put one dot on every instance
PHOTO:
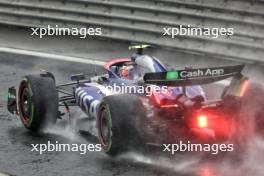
(202, 121)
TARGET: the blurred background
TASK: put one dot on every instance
(143, 21)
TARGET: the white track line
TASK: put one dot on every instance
(50, 56)
(3, 174)
(64, 58)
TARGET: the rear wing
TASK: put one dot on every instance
(200, 76)
(191, 77)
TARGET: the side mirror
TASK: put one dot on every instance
(103, 80)
(78, 77)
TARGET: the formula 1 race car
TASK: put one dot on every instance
(164, 106)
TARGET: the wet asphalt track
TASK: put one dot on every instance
(17, 159)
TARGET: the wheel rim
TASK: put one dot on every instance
(104, 129)
(25, 104)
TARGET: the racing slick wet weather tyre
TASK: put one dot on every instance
(117, 123)
(253, 109)
(249, 122)
(38, 101)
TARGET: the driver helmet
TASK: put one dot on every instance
(126, 71)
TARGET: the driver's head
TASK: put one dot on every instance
(126, 71)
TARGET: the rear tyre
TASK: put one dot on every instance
(253, 106)
(249, 122)
(117, 123)
(37, 102)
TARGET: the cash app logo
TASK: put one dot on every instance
(172, 75)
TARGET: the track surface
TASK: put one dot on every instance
(17, 159)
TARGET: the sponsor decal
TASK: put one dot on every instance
(185, 74)
(88, 102)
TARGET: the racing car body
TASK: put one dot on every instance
(89, 95)
(180, 110)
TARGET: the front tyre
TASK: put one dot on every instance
(117, 123)
(37, 102)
